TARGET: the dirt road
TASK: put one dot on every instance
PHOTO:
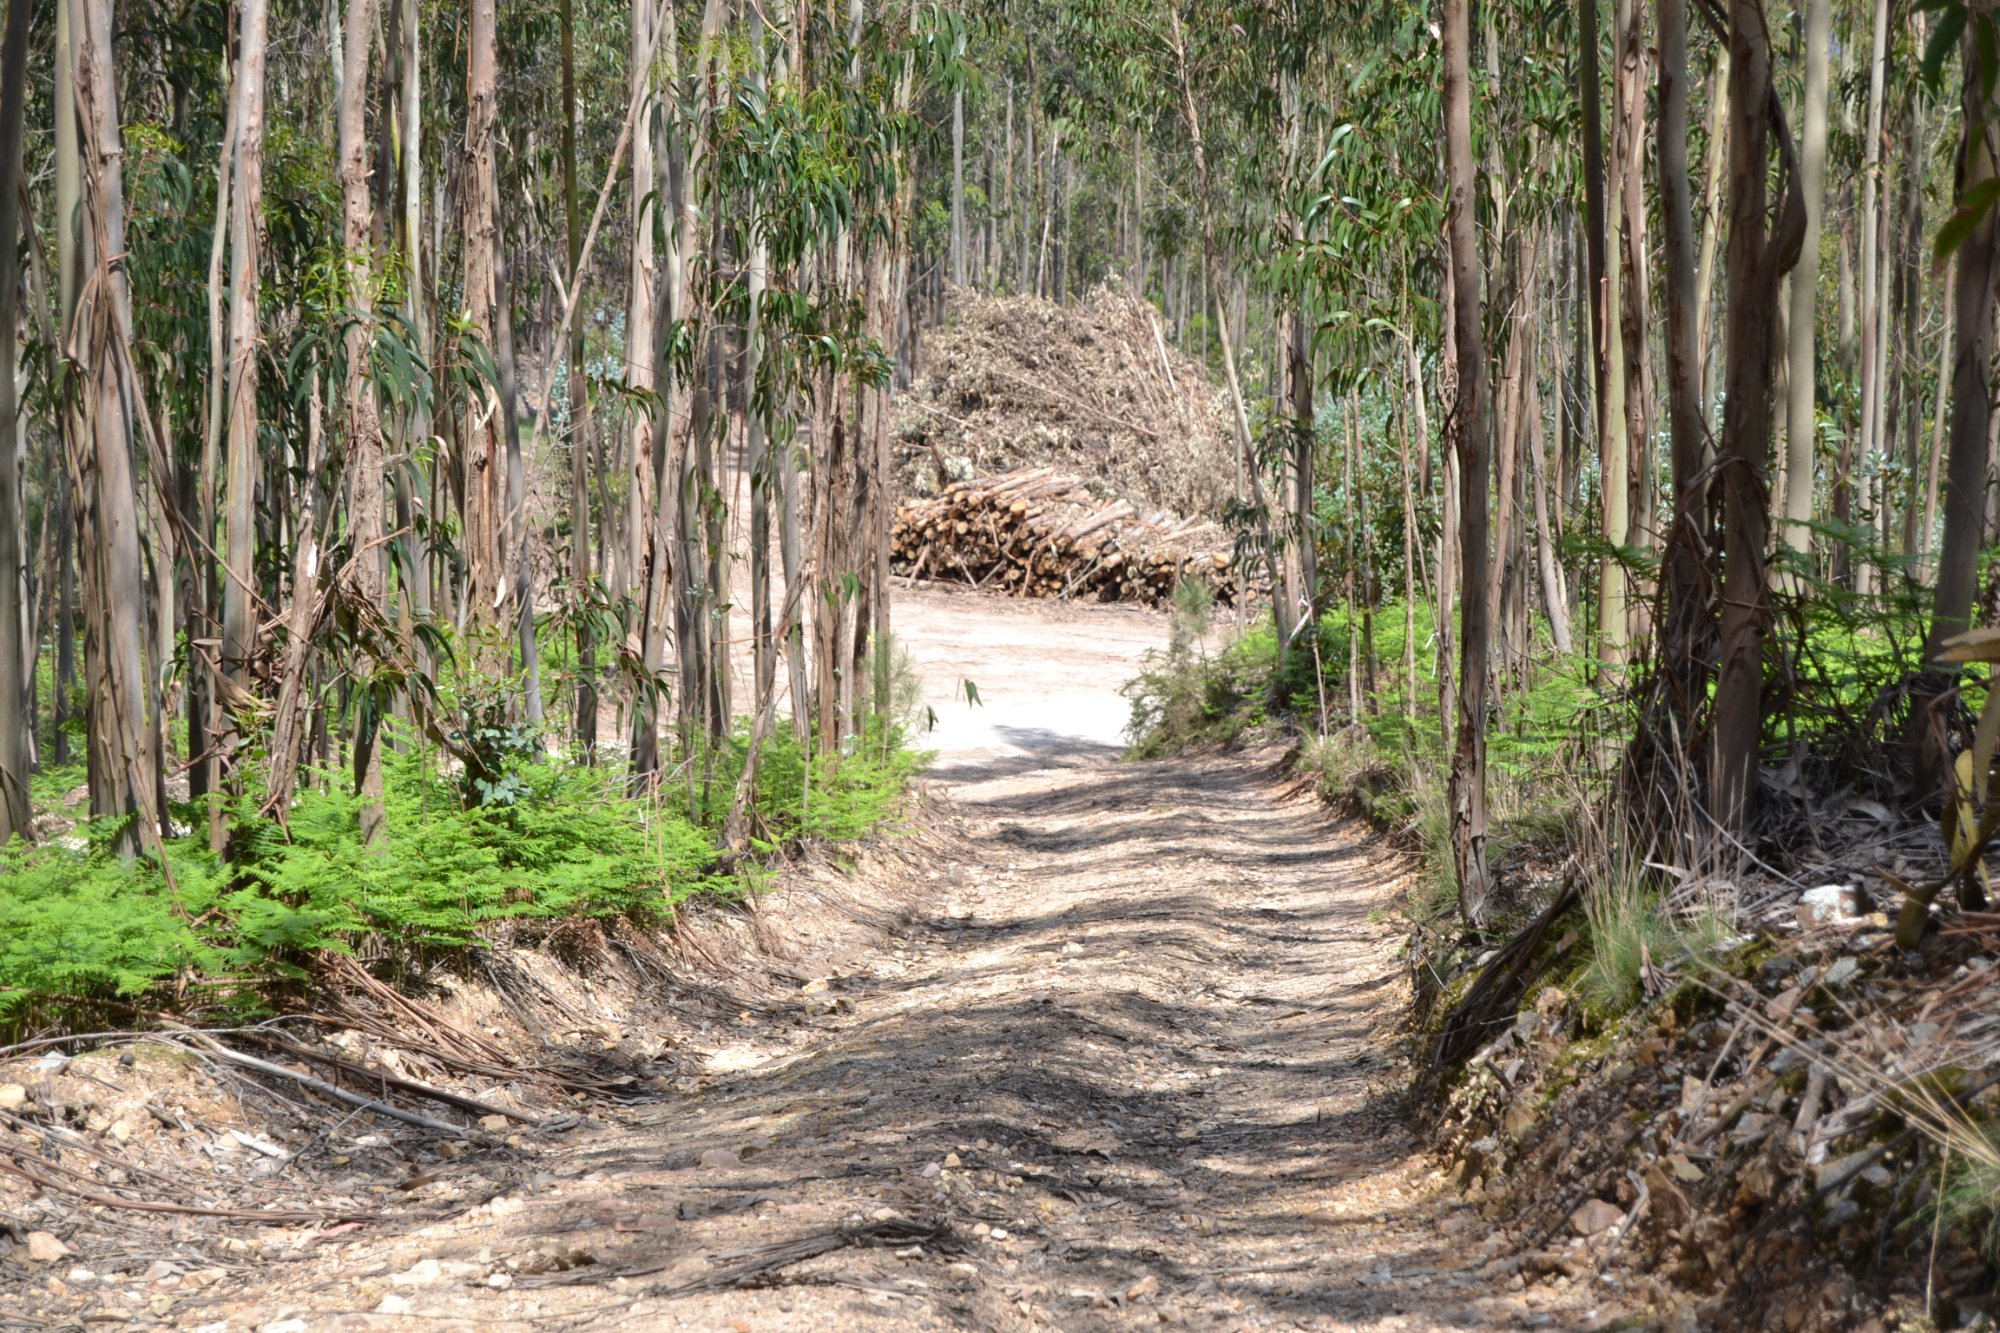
(1115, 1049)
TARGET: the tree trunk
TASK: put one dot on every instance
(1758, 254)
(1871, 252)
(1801, 415)
(1635, 319)
(1973, 300)
(1239, 418)
(482, 537)
(579, 419)
(1471, 444)
(1607, 352)
(958, 186)
(1680, 652)
(16, 721)
(365, 464)
(1711, 228)
(246, 205)
(626, 573)
(124, 759)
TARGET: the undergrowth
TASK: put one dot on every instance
(80, 928)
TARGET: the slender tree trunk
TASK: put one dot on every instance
(1473, 448)
(1245, 446)
(1871, 255)
(639, 444)
(1801, 415)
(1711, 229)
(69, 267)
(579, 419)
(124, 756)
(1758, 255)
(1607, 352)
(16, 719)
(482, 539)
(1927, 563)
(958, 186)
(517, 551)
(246, 206)
(365, 463)
(1555, 598)
(1973, 303)
(1634, 313)
(1681, 657)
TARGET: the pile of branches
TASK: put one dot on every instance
(1092, 388)
(1037, 533)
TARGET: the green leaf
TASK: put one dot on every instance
(1943, 38)
(1972, 209)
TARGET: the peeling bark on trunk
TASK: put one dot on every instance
(1473, 447)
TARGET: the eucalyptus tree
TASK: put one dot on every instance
(1972, 236)
(121, 717)
(240, 609)
(1760, 249)
(16, 651)
(1472, 444)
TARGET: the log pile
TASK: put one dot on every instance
(1037, 533)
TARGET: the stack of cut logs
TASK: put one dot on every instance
(1037, 533)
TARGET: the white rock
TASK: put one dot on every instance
(420, 1274)
(1830, 903)
(1595, 1216)
(12, 1097)
(44, 1248)
(393, 1304)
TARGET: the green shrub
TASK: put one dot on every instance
(533, 840)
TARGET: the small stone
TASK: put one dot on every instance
(1072, 949)
(121, 1130)
(12, 1096)
(998, 1233)
(1146, 1287)
(393, 1304)
(1595, 1217)
(719, 1159)
(44, 1248)
(951, 1159)
(883, 1214)
(817, 986)
(932, 1171)
(82, 1275)
(493, 1124)
(1841, 974)
(1829, 903)
(423, 1273)
(283, 1326)
(500, 1281)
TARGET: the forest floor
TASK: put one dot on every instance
(1106, 1045)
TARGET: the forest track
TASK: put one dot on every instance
(1131, 1058)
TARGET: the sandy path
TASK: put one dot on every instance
(1127, 1060)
